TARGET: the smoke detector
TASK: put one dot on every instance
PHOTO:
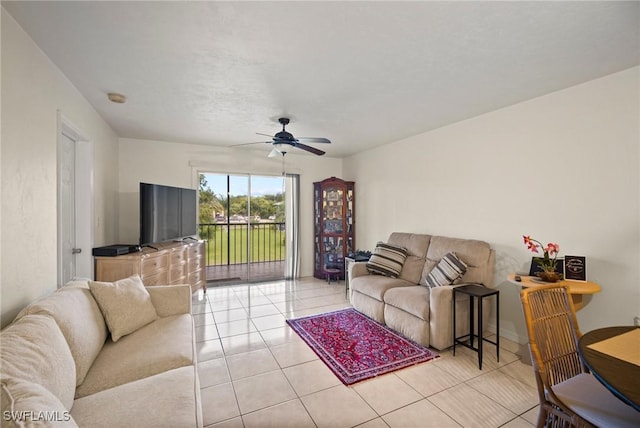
(116, 98)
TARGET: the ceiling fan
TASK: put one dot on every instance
(282, 139)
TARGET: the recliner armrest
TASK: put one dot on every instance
(441, 314)
(171, 299)
(357, 269)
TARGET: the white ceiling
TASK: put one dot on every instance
(359, 73)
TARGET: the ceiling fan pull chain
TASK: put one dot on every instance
(283, 173)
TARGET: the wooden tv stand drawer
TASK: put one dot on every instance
(170, 263)
(160, 278)
(154, 263)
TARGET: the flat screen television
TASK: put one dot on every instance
(166, 213)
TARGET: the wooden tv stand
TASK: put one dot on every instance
(171, 264)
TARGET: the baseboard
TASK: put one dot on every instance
(509, 334)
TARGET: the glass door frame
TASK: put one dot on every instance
(246, 253)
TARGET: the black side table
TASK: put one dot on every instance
(479, 292)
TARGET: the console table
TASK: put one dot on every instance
(576, 288)
(169, 263)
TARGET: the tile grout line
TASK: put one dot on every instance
(233, 294)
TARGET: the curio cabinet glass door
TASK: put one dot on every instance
(334, 226)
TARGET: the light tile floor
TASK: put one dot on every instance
(256, 372)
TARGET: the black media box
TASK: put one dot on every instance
(115, 250)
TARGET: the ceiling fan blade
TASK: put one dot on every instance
(255, 142)
(266, 135)
(309, 149)
(315, 140)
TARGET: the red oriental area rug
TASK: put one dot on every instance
(355, 347)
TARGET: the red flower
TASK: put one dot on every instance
(531, 243)
(551, 250)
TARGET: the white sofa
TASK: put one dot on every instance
(407, 305)
(60, 367)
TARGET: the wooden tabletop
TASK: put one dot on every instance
(575, 287)
(619, 376)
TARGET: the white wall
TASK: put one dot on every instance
(33, 91)
(563, 168)
(177, 164)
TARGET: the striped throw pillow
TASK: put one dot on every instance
(387, 260)
(449, 270)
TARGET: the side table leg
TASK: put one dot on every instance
(471, 320)
(346, 277)
(454, 322)
(498, 327)
(480, 328)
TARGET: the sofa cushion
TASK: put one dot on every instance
(26, 403)
(165, 344)
(447, 271)
(412, 269)
(376, 285)
(478, 256)
(408, 325)
(387, 260)
(125, 304)
(34, 348)
(77, 314)
(414, 300)
(171, 299)
(168, 399)
(416, 245)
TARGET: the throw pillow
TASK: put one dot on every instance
(387, 260)
(27, 403)
(449, 270)
(34, 348)
(78, 315)
(125, 304)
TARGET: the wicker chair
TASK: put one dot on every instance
(569, 396)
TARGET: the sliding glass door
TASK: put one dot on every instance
(242, 218)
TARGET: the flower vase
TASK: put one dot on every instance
(549, 276)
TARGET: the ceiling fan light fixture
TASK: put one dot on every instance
(283, 139)
(274, 153)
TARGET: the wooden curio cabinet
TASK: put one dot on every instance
(334, 226)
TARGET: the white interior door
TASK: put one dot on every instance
(68, 250)
(75, 204)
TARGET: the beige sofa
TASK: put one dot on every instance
(60, 367)
(406, 304)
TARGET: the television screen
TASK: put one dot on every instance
(189, 213)
(166, 213)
